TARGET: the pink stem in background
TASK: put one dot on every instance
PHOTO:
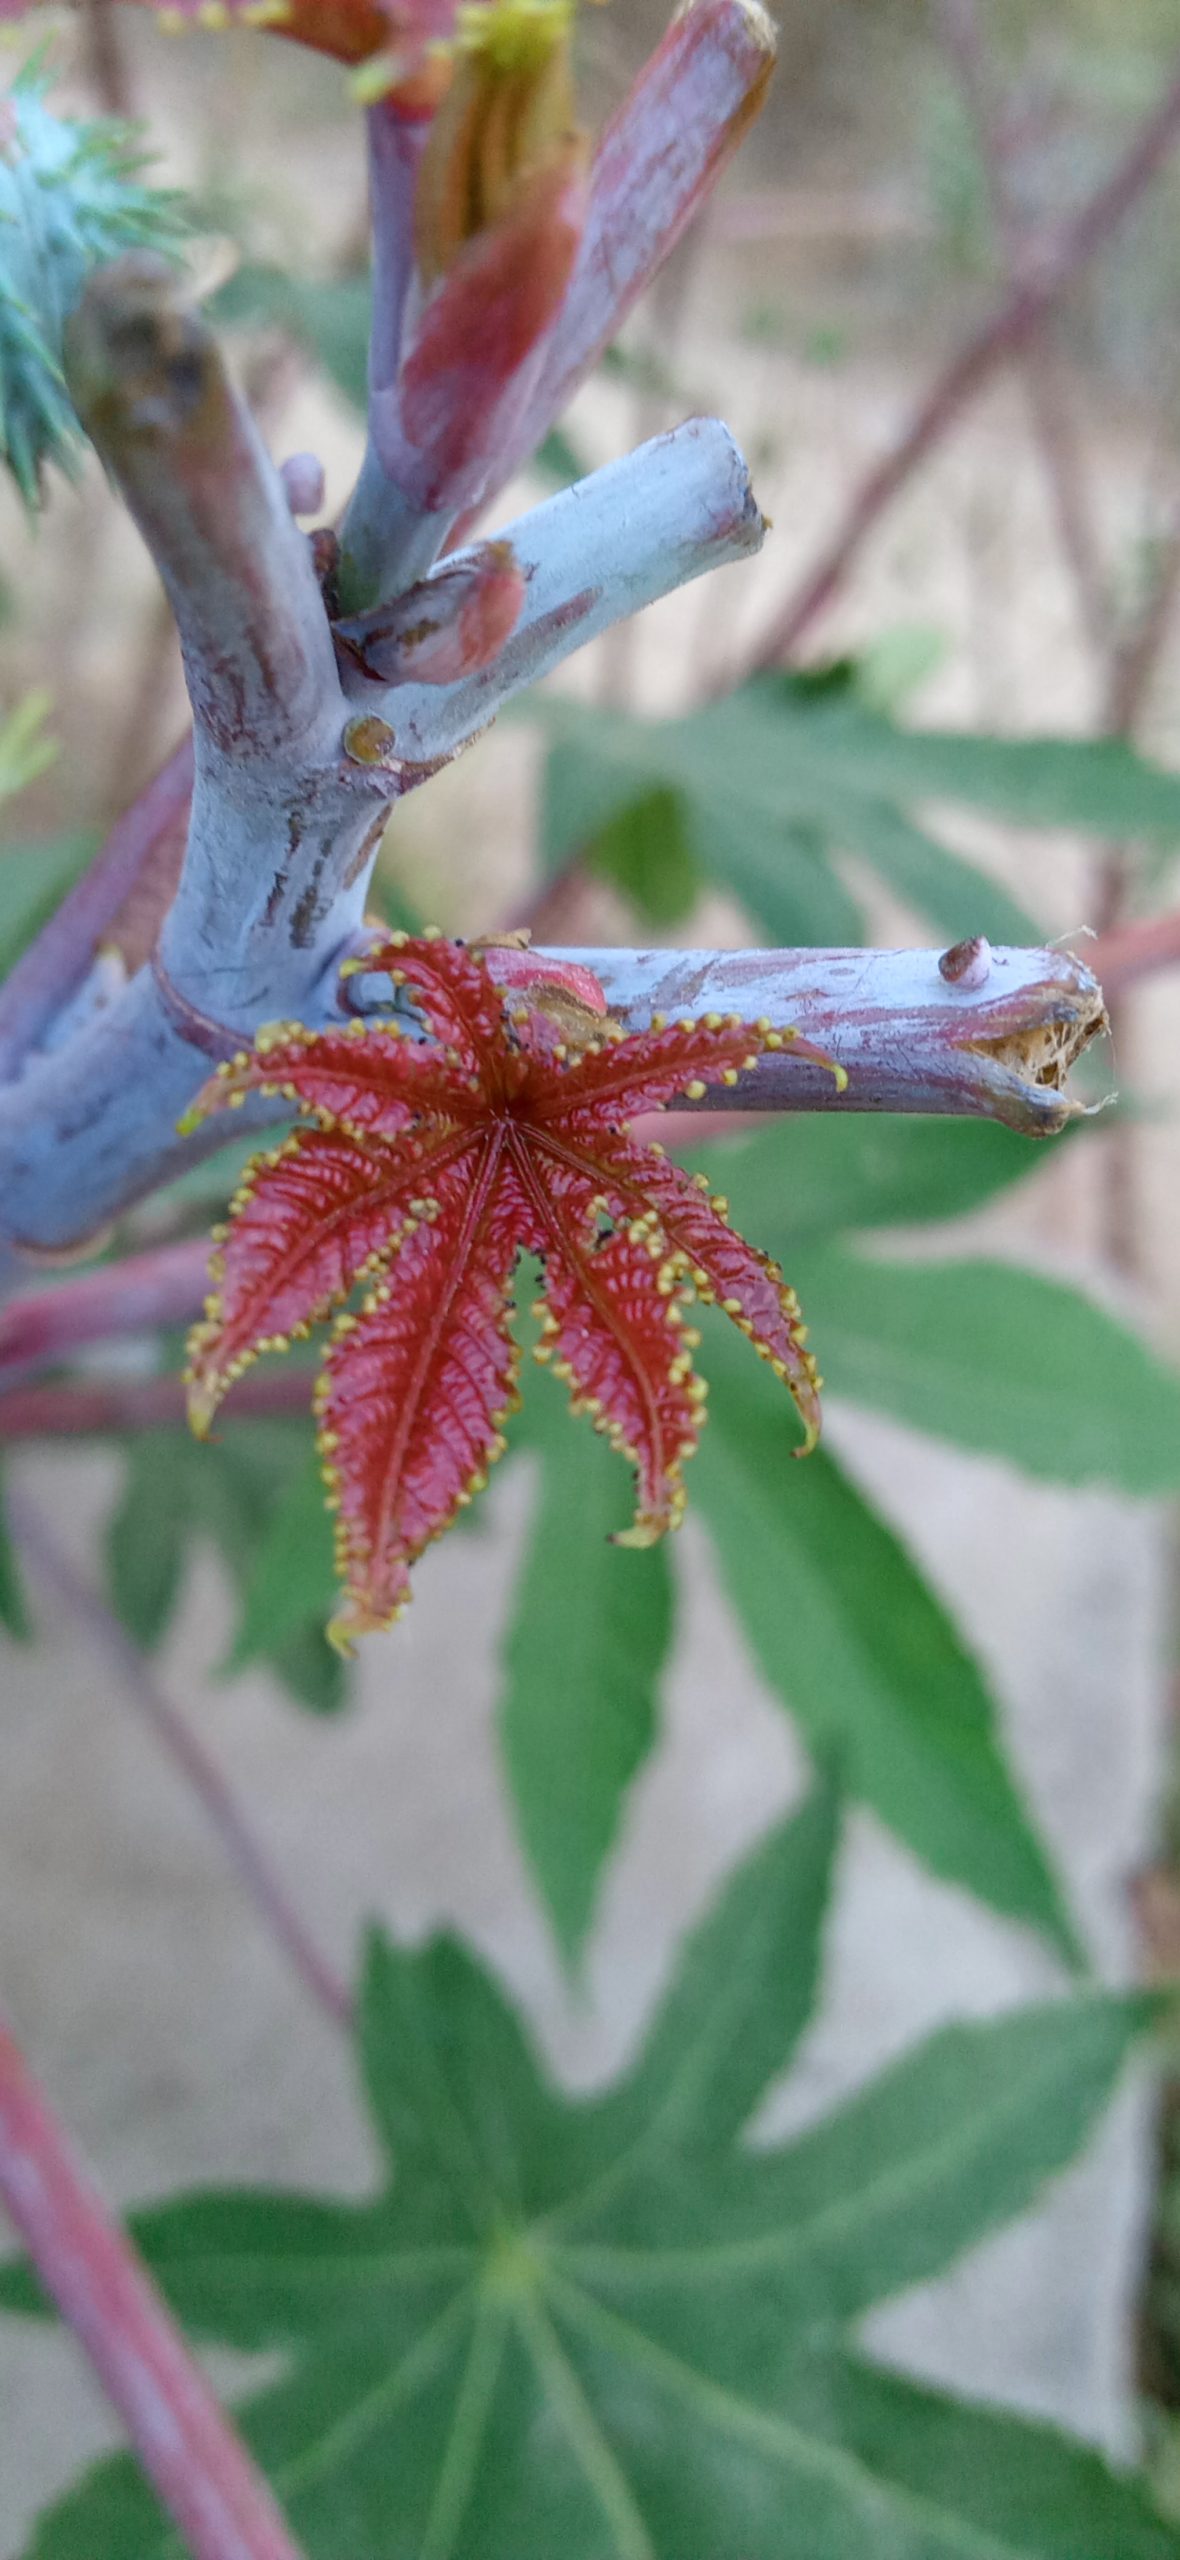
(197, 2464)
(1133, 951)
(1004, 334)
(139, 1295)
(249, 1860)
(961, 27)
(140, 1404)
(54, 966)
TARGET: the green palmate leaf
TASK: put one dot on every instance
(997, 1359)
(33, 880)
(732, 831)
(744, 1991)
(605, 2328)
(14, 1614)
(590, 1632)
(250, 1494)
(805, 1177)
(292, 1577)
(792, 773)
(146, 1537)
(646, 851)
(558, 459)
(854, 1642)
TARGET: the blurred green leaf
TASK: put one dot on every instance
(792, 774)
(329, 318)
(558, 459)
(147, 1534)
(33, 881)
(254, 1495)
(311, 1669)
(25, 749)
(807, 1176)
(732, 832)
(856, 1645)
(14, 1612)
(956, 175)
(645, 850)
(604, 2327)
(589, 1636)
(291, 1580)
(896, 663)
(996, 1359)
(1100, 786)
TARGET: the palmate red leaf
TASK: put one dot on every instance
(372, 1078)
(613, 1327)
(452, 988)
(427, 1165)
(723, 1269)
(308, 1221)
(416, 1387)
(622, 1078)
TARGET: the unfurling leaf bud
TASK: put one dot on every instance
(508, 116)
(446, 626)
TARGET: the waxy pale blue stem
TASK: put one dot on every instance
(911, 1031)
(294, 779)
(591, 556)
(151, 389)
(94, 1127)
(283, 822)
(287, 809)
(379, 529)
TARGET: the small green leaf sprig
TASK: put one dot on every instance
(71, 197)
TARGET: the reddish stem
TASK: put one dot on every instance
(1004, 334)
(54, 966)
(138, 1295)
(139, 1404)
(961, 28)
(1132, 951)
(197, 2464)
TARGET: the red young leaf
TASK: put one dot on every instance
(428, 1164)
(308, 1221)
(416, 1387)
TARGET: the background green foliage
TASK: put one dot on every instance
(615, 2326)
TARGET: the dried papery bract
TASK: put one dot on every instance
(424, 1167)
